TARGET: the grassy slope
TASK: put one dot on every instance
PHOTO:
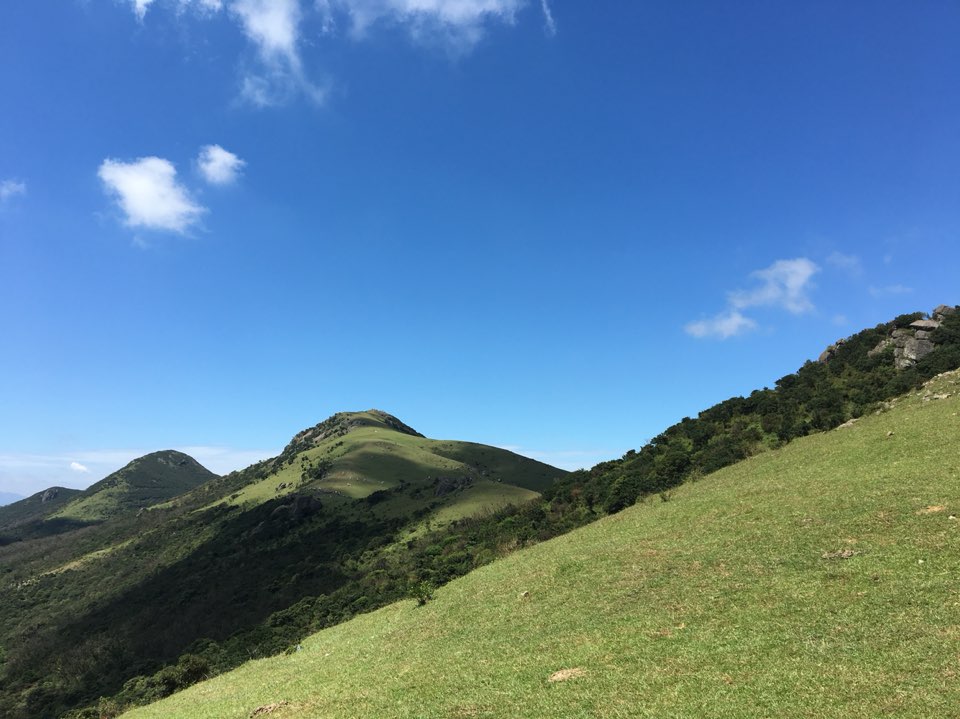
(146, 481)
(375, 457)
(32, 508)
(717, 603)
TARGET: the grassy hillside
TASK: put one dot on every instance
(145, 481)
(817, 580)
(35, 507)
(345, 518)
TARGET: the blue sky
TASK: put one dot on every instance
(549, 225)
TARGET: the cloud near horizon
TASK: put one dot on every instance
(26, 474)
(148, 193)
(784, 285)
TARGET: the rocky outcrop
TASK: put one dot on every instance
(50, 495)
(830, 351)
(910, 344)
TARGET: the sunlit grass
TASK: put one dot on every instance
(815, 581)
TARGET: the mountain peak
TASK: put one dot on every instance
(341, 423)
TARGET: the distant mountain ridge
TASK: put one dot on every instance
(145, 481)
(35, 507)
(9, 497)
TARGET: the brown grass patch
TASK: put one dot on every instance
(567, 674)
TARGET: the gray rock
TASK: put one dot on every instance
(901, 334)
(49, 495)
(881, 347)
(942, 311)
(925, 325)
(923, 335)
(918, 349)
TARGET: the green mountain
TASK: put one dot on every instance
(342, 517)
(9, 498)
(146, 481)
(35, 507)
(816, 580)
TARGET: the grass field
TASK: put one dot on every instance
(374, 457)
(820, 580)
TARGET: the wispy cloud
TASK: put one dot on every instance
(77, 467)
(783, 285)
(11, 188)
(889, 290)
(219, 166)
(723, 326)
(148, 193)
(273, 26)
(850, 264)
(140, 7)
(457, 24)
(549, 23)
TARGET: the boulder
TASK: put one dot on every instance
(925, 325)
(881, 347)
(918, 349)
(942, 311)
(49, 495)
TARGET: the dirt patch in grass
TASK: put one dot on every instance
(565, 675)
(932, 509)
(267, 709)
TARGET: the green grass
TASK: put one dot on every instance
(146, 481)
(728, 600)
(374, 458)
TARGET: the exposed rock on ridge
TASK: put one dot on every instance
(910, 344)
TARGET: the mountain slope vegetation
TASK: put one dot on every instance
(35, 507)
(817, 580)
(119, 594)
(360, 511)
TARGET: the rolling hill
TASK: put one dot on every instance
(144, 482)
(341, 514)
(816, 580)
(35, 507)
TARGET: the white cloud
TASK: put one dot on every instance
(458, 23)
(77, 467)
(148, 193)
(11, 188)
(847, 263)
(140, 7)
(784, 284)
(219, 166)
(723, 326)
(273, 26)
(549, 23)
